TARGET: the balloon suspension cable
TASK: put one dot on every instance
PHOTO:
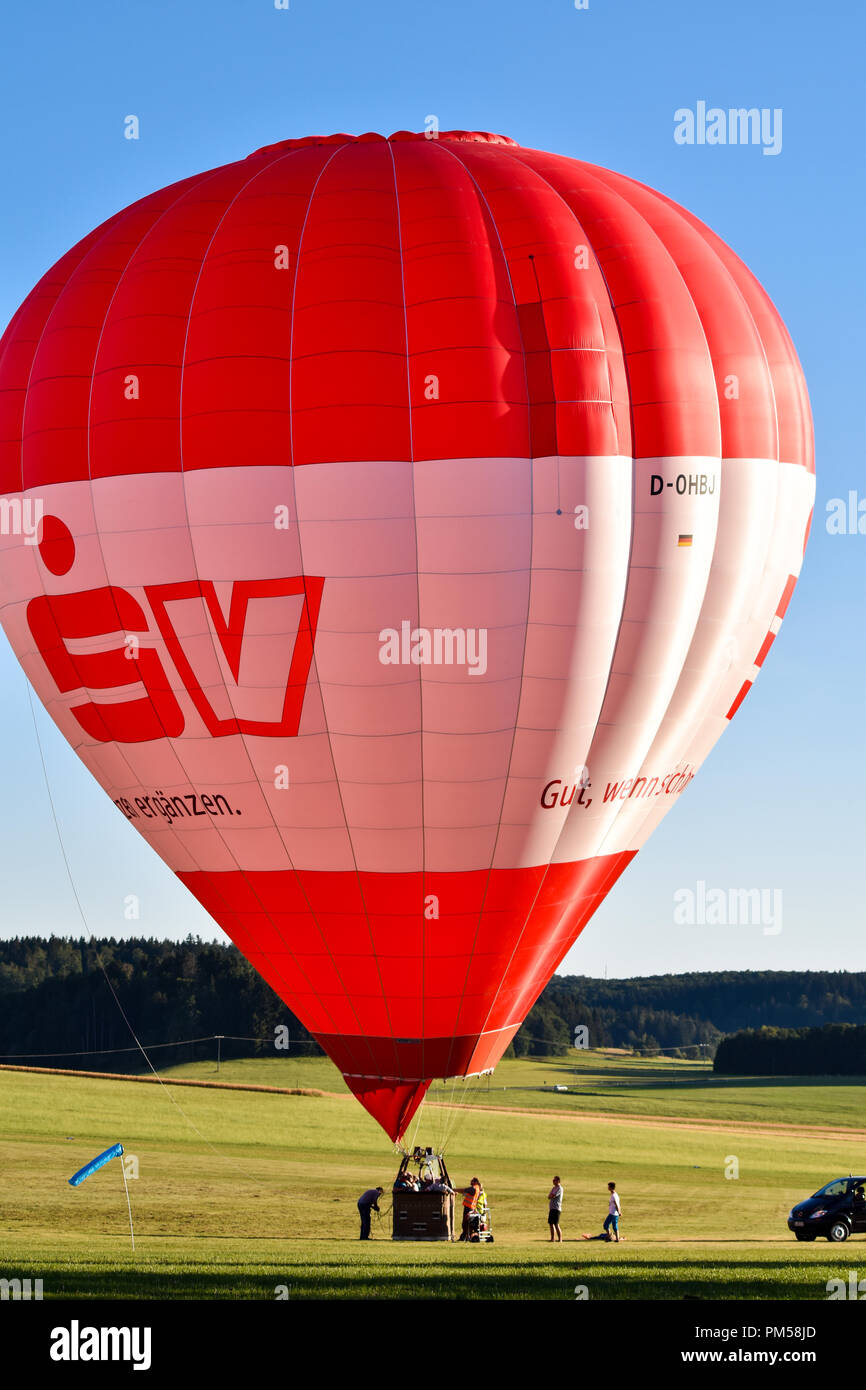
(420, 1111)
(89, 933)
(464, 1093)
(438, 1117)
(448, 1113)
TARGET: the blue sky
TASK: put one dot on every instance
(778, 805)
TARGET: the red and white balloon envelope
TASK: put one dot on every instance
(392, 526)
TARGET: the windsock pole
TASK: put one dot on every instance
(128, 1203)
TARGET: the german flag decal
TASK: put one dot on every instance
(684, 540)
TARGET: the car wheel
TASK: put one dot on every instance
(838, 1231)
(804, 1235)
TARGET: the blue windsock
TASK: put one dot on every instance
(101, 1159)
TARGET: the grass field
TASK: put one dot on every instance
(604, 1083)
(246, 1191)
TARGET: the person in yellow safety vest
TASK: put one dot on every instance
(470, 1202)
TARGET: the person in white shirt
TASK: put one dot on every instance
(614, 1212)
(554, 1203)
(611, 1221)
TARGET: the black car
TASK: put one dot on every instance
(834, 1211)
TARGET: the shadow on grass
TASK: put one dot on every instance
(668, 1279)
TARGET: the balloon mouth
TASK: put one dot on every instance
(483, 137)
(391, 1103)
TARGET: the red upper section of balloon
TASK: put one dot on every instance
(483, 136)
(448, 297)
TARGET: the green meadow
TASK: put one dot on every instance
(246, 1194)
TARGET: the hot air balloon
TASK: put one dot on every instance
(392, 526)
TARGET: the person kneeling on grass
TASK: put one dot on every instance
(611, 1221)
(367, 1202)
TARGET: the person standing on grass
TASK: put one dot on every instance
(614, 1212)
(554, 1203)
(611, 1221)
(367, 1202)
(470, 1202)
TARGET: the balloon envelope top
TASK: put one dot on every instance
(392, 526)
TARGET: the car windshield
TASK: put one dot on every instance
(833, 1189)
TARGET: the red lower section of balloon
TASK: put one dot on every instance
(392, 1103)
(405, 977)
(416, 1059)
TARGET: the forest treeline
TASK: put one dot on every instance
(837, 1049)
(56, 1000)
(676, 1012)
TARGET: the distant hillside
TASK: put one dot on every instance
(54, 999)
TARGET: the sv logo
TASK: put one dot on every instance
(58, 621)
